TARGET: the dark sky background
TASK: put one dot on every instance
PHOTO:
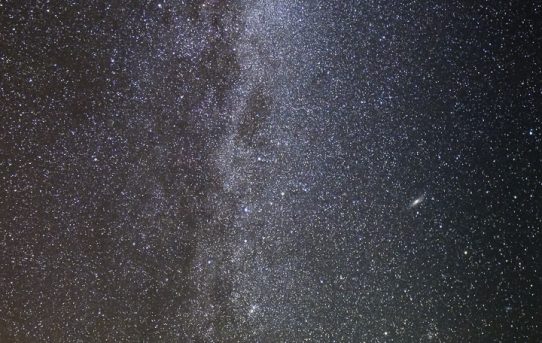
(270, 171)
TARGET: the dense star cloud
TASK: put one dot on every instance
(270, 171)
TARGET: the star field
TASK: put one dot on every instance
(270, 171)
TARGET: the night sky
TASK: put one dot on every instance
(270, 171)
